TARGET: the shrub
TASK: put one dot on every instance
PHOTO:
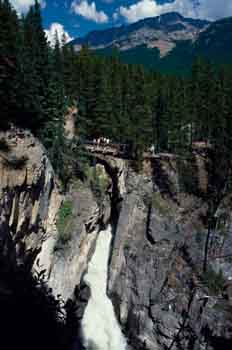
(188, 175)
(214, 281)
(64, 224)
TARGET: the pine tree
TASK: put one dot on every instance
(117, 128)
(160, 131)
(102, 109)
(35, 70)
(9, 37)
(70, 72)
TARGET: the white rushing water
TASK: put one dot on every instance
(100, 327)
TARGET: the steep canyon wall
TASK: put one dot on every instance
(161, 296)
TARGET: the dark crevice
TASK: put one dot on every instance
(115, 197)
(148, 224)
(216, 342)
(161, 179)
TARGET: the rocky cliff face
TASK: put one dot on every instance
(162, 298)
(29, 196)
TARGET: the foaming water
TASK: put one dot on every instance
(100, 327)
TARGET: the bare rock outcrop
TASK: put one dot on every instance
(66, 260)
(162, 297)
(29, 195)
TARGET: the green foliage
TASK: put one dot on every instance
(129, 105)
(126, 247)
(214, 281)
(213, 43)
(64, 225)
(188, 175)
(30, 77)
(8, 62)
(98, 181)
(138, 55)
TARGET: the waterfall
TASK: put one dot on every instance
(100, 327)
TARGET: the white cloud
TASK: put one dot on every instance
(89, 11)
(59, 29)
(23, 5)
(207, 9)
(142, 9)
(214, 9)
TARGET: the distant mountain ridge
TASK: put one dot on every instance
(162, 32)
(167, 43)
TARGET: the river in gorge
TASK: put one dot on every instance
(101, 330)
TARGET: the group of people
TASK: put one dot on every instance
(104, 141)
(152, 149)
(101, 141)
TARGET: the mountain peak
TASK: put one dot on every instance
(171, 16)
(161, 32)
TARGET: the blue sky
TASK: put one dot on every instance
(78, 17)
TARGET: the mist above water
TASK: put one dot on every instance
(100, 327)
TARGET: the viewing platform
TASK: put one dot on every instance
(122, 150)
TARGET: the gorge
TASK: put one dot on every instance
(147, 284)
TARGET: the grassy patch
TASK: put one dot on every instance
(214, 281)
(64, 225)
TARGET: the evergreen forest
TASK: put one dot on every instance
(125, 103)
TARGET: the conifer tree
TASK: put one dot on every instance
(9, 38)
(35, 73)
(117, 127)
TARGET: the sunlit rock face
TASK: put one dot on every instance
(100, 326)
(29, 196)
